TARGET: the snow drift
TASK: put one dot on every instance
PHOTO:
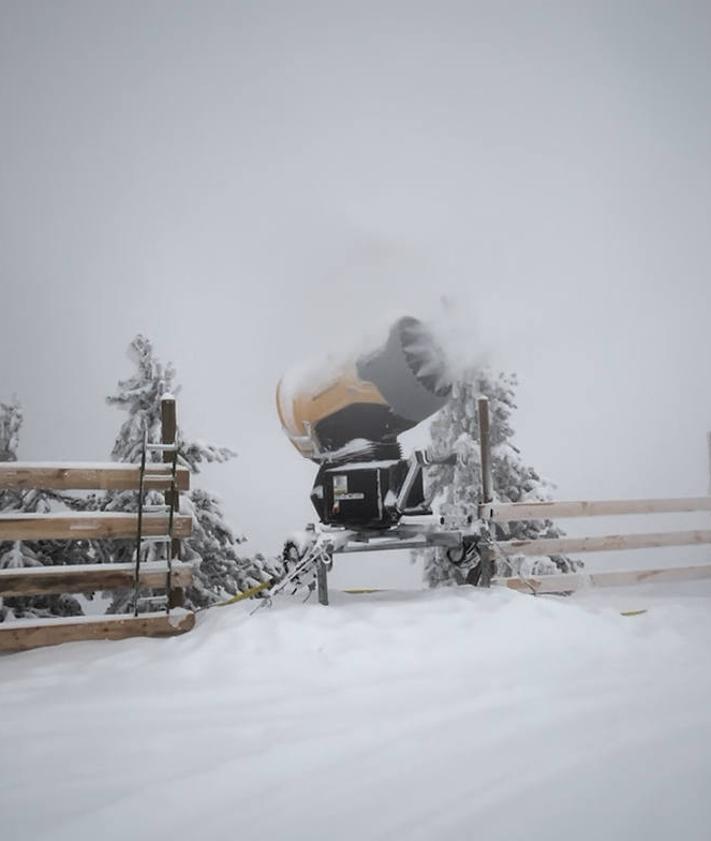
(428, 716)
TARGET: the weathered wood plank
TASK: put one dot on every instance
(603, 543)
(88, 525)
(511, 511)
(83, 578)
(24, 634)
(568, 582)
(70, 476)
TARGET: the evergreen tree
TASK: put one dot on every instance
(10, 423)
(219, 570)
(455, 488)
(20, 553)
(223, 572)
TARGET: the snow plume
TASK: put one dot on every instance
(456, 326)
(428, 342)
(452, 325)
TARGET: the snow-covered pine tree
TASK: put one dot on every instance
(222, 571)
(19, 553)
(219, 570)
(10, 423)
(455, 488)
(12, 553)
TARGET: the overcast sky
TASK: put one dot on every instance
(250, 183)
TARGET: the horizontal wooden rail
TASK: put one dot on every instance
(84, 578)
(70, 476)
(511, 511)
(88, 525)
(604, 543)
(23, 634)
(570, 582)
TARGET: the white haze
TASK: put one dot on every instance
(252, 184)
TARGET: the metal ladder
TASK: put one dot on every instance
(144, 484)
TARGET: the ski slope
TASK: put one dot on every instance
(425, 716)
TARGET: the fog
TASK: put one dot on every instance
(252, 183)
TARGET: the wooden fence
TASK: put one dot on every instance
(491, 512)
(22, 634)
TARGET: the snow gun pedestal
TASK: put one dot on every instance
(475, 545)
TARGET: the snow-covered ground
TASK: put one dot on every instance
(424, 716)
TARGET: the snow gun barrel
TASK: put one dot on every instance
(374, 396)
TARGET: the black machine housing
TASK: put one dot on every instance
(369, 494)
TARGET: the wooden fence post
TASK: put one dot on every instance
(168, 435)
(487, 554)
(485, 449)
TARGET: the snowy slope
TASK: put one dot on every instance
(438, 715)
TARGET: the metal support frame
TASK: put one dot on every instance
(322, 568)
(414, 469)
(403, 537)
(479, 538)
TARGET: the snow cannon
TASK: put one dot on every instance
(346, 416)
(371, 398)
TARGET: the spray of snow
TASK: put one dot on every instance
(456, 328)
